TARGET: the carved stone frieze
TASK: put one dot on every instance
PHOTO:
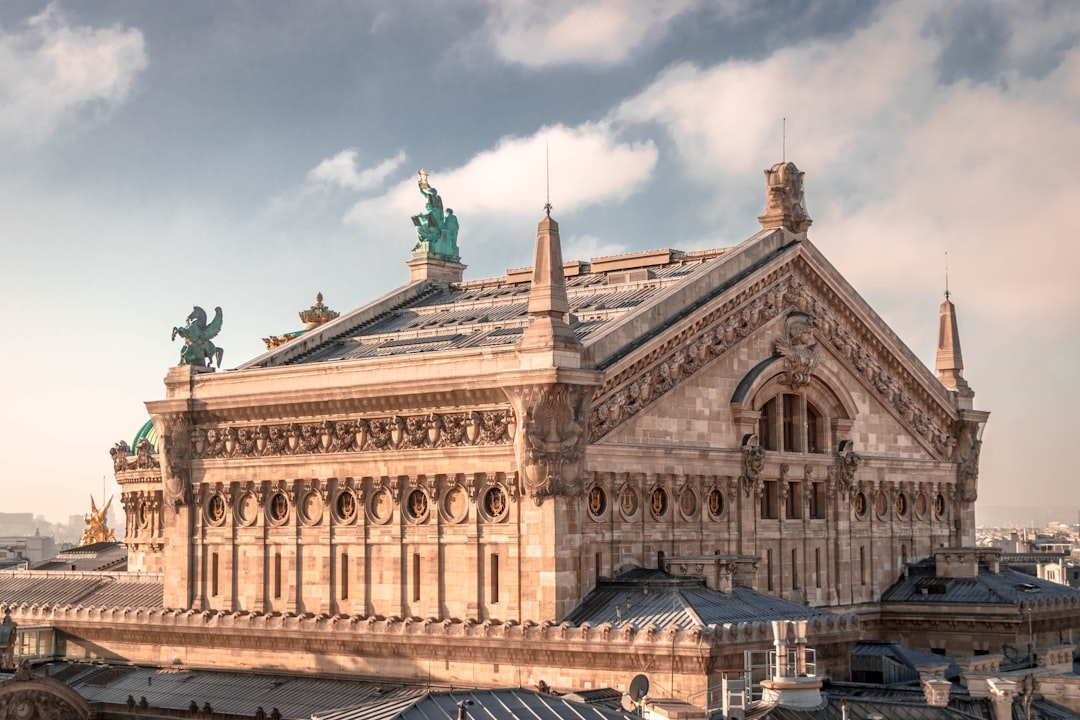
(796, 289)
(142, 459)
(845, 466)
(753, 462)
(798, 349)
(378, 434)
(966, 455)
(550, 446)
(176, 478)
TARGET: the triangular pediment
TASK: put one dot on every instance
(734, 329)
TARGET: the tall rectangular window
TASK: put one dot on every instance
(769, 568)
(817, 500)
(416, 577)
(769, 500)
(789, 424)
(862, 564)
(813, 424)
(795, 569)
(494, 578)
(214, 575)
(599, 560)
(793, 510)
(344, 576)
(766, 434)
(817, 568)
(277, 574)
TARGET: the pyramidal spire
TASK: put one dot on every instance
(950, 361)
(549, 330)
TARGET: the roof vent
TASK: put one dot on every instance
(622, 277)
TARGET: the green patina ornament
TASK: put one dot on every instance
(197, 333)
(436, 228)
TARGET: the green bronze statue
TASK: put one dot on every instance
(197, 333)
(436, 228)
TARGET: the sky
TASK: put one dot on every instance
(250, 154)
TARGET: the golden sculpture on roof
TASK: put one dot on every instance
(97, 525)
(318, 314)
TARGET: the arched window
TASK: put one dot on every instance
(791, 423)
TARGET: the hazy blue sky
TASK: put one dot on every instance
(251, 154)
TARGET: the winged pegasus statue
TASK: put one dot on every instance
(198, 349)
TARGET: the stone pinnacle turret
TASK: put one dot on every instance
(549, 330)
(950, 361)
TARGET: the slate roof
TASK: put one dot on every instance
(227, 692)
(1007, 587)
(494, 312)
(18, 587)
(486, 705)
(97, 556)
(320, 698)
(642, 597)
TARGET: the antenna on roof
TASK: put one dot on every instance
(946, 274)
(547, 178)
(783, 140)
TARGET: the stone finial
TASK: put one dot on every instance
(785, 205)
(549, 329)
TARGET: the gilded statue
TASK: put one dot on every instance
(97, 528)
(197, 334)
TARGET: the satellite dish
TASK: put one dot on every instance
(639, 686)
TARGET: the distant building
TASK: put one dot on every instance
(30, 549)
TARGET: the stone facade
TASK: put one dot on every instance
(745, 401)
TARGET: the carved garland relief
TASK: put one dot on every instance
(433, 430)
(628, 392)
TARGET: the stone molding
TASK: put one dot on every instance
(340, 627)
(370, 434)
(794, 287)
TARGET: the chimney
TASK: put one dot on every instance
(937, 692)
(1002, 694)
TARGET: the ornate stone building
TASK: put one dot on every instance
(488, 449)
(434, 483)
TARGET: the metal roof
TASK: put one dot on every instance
(484, 705)
(494, 312)
(33, 587)
(642, 597)
(227, 692)
(1007, 587)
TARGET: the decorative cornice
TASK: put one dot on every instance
(793, 287)
(343, 627)
(374, 434)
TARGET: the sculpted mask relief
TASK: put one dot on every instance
(798, 350)
(551, 445)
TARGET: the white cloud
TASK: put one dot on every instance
(51, 73)
(587, 247)
(900, 167)
(342, 170)
(603, 32)
(588, 165)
